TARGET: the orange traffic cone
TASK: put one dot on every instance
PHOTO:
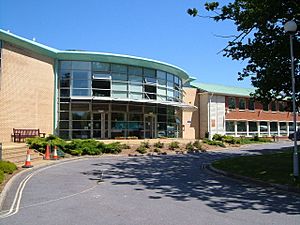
(55, 157)
(27, 162)
(47, 153)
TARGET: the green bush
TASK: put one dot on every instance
(231, 140)
(197, 145)
(141, 149)
(75, 152)
(189, 146)
(113, 148)
(37, 143)
(145, 144)
(217, 143)
(7, 167)
(217, 137)
(158, 145)
(173, 145)
(2, 176)
(157, 150)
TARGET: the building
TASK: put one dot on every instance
(79, 94)
(231, 111)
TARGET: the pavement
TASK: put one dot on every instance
(175, 189)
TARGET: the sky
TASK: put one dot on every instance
(155, 29)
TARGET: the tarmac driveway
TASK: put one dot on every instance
(147, 190)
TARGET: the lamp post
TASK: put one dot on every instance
(291, 27)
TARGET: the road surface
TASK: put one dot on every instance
(158, 190)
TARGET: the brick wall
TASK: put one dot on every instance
(257, 114)
(26, 91)
(190, 119)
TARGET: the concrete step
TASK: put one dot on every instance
(17, 154)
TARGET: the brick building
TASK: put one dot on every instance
(231, 111)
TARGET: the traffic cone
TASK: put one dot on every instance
(47, 153)
(27, 162)
(55, 157)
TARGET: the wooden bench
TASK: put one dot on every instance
(19, 135)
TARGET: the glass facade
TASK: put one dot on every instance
(103, 100)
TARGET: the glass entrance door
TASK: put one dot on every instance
(99, 125)
(150, 125)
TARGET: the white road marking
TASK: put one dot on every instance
(15, 207)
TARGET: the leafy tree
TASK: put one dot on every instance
(261, 42)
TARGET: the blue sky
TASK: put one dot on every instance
(156, 29)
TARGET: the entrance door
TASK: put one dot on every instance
(150, 125)
(99, 125)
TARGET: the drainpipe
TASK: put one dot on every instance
(209, 116)
(55, 97)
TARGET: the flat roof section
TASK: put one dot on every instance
(222, 89)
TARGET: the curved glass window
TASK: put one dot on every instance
(102, 80)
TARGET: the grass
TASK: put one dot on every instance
(273, 168)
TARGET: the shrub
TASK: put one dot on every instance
(7, 167)
(217, 137)
(2, 176)
(53, 140)
(231, 140)
(113, 148)
(145, 144)
(141, 149)
(125, 146)
(76, 152)
(173, 145)
(158, 145)
(157, 150)
(37, 143)
(197, 145)
(189, 146)
(217, 143)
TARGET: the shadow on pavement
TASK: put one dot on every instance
(182, 178)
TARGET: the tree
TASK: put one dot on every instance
(261, 42)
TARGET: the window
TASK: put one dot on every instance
(66, 65)
(263, 128)
(253, 129)
(251, 104)
(266, 106)
(97, 76)
(231, 103)
(136, 71)
(161, 77)
(242, 104)
(81, 83)
(135, 79)
(99, 66)
(229, 127)
(241, 128)
(117, 68)
(273, 128)
(119, 86)
(281, 106)
(77, 65)
(283, 128)
(273, 106)
(119, 76)
(149, 76)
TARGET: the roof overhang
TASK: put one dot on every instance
(183, 106)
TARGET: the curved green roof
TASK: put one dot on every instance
(91, 56)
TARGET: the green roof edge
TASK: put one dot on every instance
(92, 56)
